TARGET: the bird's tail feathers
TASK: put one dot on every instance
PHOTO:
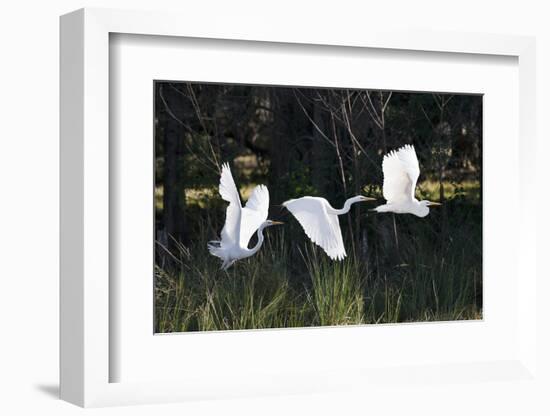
(214, 247)
(217, 250)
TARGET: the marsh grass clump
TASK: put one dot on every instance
(336, 292)
(193, 294)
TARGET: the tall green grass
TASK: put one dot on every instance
(253, 293)
(337, 290)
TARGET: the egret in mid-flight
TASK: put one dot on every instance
(320, 221)
(240, 222)
(401, 171)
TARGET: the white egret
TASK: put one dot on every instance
(401, 171)
(240, 222)
(320, 221)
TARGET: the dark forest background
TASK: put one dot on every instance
(324, 142)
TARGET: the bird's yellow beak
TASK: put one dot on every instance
(368, 198)
(277, 223)
(434, 204)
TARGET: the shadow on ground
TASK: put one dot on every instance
(51, 390)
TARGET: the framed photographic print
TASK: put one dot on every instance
(265, 213)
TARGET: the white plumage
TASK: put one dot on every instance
(320, 222)
(240, 222)
(401, 172)
(254, 213)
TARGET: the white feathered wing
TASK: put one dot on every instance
(319, 225)
(253, 214)
(401, 172)
(228, 191)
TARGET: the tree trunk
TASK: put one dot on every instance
(319, 155)
(174, 187)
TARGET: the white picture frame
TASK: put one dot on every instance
(86, 356)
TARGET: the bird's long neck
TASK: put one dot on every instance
(260, 234)
(346, 208)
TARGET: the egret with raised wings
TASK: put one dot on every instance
(240, 222)
(401, 171)
(320, 221)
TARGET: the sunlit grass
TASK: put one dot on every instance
(427, 189)
(200, 197)
(469, 189)
(159, 203)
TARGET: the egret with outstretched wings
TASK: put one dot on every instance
(401, 172)
(320, 221)
(240, 222)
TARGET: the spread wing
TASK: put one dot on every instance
(401, 173)
(229, 193)
(254, 213)
(321, 227)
